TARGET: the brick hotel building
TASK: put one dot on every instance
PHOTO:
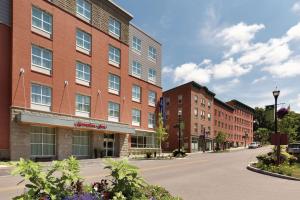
(203, 114)
(76, 79)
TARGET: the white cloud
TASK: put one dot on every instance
(296, 7)
(294, 32)
(192, 72)
(166, 70)
(258, 80)
(219, 89)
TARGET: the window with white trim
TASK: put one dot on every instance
(152, 75)
(136, 93)
(136, 44)
(151, 120)
(113, 111)
(41, 58)
(152, 54)
(114, 84)
(80, 143)
(83, 104)
(196, 112)
(83, 72)
(114, 27)
(42, 141)
(83, 40)
(114, 55)
(209, 116)
(83, 8)
(40, 97)
(136, 69)
(136, 117)
(151, 98)
(41, 20)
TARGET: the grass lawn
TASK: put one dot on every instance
(296, 170)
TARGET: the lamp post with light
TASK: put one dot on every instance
(276, 95)
(179, 129)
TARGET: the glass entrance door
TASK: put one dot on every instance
(109, 145)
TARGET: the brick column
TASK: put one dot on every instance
(123, 140)
(64, 143)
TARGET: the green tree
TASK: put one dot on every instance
(262, 119)
(262, 135)
(161, 133)
(290, 124)
(220, 139)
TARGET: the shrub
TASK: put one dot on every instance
(180, 153)
(158, 193)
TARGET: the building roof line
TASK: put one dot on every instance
(147, 34)
(120, 8)
(241, 104)
(224, 104)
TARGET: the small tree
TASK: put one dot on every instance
(161, 133)
(220, 139)
(262, 135)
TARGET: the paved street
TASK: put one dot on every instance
(206, 176)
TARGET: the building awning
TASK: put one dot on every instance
(73, 122)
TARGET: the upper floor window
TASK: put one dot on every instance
(196, 112)
(136, 44)
(209, 116)
(152, 54)
(136, 117)
(196, 99)
(83, 73)
(83, 41)
(209, 104)
(41, 59)
(203, 102)
(83, 9)
(42, 20)
(151, 120)
(179, 99)
(114, 56)
(113, 111)
(151, 98)
(83, 105)
(114, 27)
(136, 93)
(41, 97)
(114, 84)
(152, 75)
(136, 69)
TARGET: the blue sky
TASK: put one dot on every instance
(240, 49)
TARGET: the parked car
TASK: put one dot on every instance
(253, 145)
(258, 144)
(294, 148)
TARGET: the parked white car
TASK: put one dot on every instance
(253, 145)
(294, 148)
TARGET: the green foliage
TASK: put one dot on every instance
(57, 182)
(262, 135)
(290, 124)
(161, 133)
(220, 139)
(284, 169)
(181, 153)
(159, 193)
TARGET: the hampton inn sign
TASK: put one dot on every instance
(80, 124)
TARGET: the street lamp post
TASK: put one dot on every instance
(204, 138)
(276, 94)
(179, 129)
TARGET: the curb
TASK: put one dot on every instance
(254, 169)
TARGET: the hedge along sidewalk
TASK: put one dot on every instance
(254, 169)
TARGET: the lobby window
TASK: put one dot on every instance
(114, 27)
(151, 98)
(83, 105)
(209, 116)
(41, 21)
(80, 143)
(114, 84)
(136, 44)
(151, 120)
(113, 112)
(83, 73)
(152, 75)
(41, 59)
(83, 9)
(136, 93)
(136, 69)
(152, 54)
(144, 140)
(136, 117)
(42, 141)
(83, 41)
(40, 97)
(195, 112)
(114, 56)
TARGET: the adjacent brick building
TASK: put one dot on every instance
(204, 116)
(67, 80)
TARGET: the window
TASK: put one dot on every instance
(151, 120)
(202, 114)
(209, 116)
(209, 104)
(152, 75)
(144, 140)
(196, 112)
(179, 99)
(42, 21)
(203, 102)
(113, 111)
(136, 44)
(83, 41)
(83, 105)
(196, 127)
(41, 59)
(114, 84)
(83, 9)
(114, 56)
(167, 101)
(40, 97)
(152, 54)
(136, 93)
(196, 99)
(136, 117)
(42, 141)
(80, 143)
(114, 27)
(136, 69)
(83, 73)
(151, 98)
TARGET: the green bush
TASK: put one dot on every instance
(180, 153)
(158, 193)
